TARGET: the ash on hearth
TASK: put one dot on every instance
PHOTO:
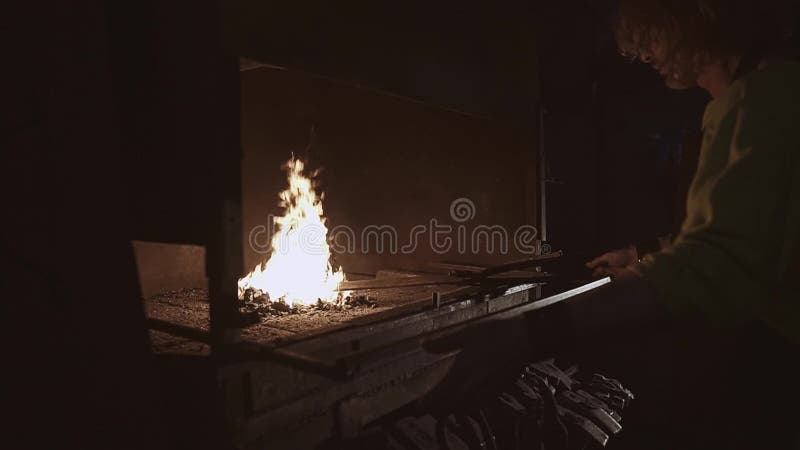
(260, 303)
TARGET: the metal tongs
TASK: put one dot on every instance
(460, 277)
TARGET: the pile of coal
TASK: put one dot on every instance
(255, 301)
(350, 302)
(259, 302)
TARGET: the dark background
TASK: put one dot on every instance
(120, 122)
(611, 128)
(612, 133)
(386, 161)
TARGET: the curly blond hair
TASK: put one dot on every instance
(693, 33)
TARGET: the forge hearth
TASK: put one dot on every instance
(294, 376)
(190, 307)
(319, 372)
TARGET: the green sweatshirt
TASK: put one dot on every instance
(738, 251)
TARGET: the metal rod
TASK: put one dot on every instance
(392, 283)
(542, 177)
(389, 283)
(247, 351)
(521, 264)
(195, 334)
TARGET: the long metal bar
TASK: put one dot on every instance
(355, 360)
(389, 283)
(542, 177)
(479, 278)
(520, 264)
(245, 351)
(183, 331)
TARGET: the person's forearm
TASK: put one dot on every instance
(653, 245)
(705, 271)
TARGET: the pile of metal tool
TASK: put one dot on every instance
(542, 408)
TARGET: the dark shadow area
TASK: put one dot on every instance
(121, 122)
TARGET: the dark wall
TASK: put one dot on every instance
(72, 320)
(477, 57)
(386, 160)
(613, 134)
(649, 142)
(177, 100)
(607, 134)
(118, 123)
(169, 267)
(171, 94)
(567, 69)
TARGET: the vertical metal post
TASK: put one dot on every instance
(224, 255)
(224, 263)
(542, 178)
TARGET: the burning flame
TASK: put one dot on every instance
(298, 269)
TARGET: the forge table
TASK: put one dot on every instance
(340, 370)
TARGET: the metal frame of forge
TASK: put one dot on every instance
(210, 203)
(235, 359)
(395, 368)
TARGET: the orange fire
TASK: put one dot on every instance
(298, 270)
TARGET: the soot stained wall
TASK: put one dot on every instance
(386, 160)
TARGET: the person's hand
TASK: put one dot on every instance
(613, 263)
